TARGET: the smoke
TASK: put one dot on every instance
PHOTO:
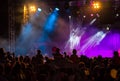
(43, 31)
(4, 43)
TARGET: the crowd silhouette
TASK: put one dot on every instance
(61, 67)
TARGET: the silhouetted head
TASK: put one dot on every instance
(38, 51)
(116, 54)
(57, 50)
(54, 49)
(74, 51)
(1, 50)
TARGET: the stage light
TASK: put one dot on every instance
(25, 8)
(69, 17)
(75, 38)
(117, 15)
(97, 15)
(84, 16)
(107, 28)
(25, 19)
(39, 9)
(91, 15)
(32, 8)
(57, 9)
(51, 21)
(96, 5)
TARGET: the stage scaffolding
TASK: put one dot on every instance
(11, 29)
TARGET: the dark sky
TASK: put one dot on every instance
(3, 19)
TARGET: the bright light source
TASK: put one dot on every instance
(69, 17)
(107, 28)
(25, 14)
(117, 14)
(96, 5)
(84, 16)
(25, 8)
(75, 38)
(39, 9)
(57, 9)
(91, 14)
(32, 8)
(98, 15)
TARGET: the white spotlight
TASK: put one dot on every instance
(69, 17)
(91, 15)
(117, 15)
(107, 28)
(84, 16)
(57, 9)
(39, 9)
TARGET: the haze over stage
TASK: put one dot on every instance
(90, 26)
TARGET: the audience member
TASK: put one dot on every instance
(61, 68)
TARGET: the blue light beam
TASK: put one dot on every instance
(52, 18)
(49, 27)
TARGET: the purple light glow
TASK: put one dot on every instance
(88, 41)
(119, 52)
(96, 43)
(109, 44)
